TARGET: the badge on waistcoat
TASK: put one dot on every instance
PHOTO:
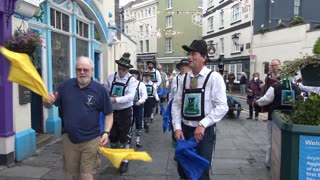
(117, 91)
(192, 104)
(287, 97)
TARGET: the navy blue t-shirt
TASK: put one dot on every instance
(81, 109)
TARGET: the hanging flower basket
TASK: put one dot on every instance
(22, 48)
(24, 41)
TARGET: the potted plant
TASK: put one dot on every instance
(296, 20)
(24, 41)
(309, 66)
(296, 133)
(295, 140)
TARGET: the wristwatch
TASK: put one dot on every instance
(104, 133)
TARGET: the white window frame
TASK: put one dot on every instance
(221, 45)
(141, 46)
(296, 10)
(236, 13)
(147, 30)
(200, 3)
(235, 43)
(221, 18)
(169, 21)
(141, 30)
(168, 45)
(210, 24)
(210, 3)
(147, 45)
(169, 4)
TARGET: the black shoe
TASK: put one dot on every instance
(123, 167)
(138, 144)
(147, 130)
(249, 117)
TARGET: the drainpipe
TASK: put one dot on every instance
(7, 133)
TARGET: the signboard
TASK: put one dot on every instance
(309, 158)
(24, 95)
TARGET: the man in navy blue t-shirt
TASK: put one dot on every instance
(80, 101)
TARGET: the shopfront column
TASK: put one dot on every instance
(6, 109)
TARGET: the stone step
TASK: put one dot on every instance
(44, 139)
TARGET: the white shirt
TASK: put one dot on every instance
(126, 100)
(142, 92)
(267, 98)
(158, 76)
(313, 89)
(174, 86)
(155, 91)
(215, 105)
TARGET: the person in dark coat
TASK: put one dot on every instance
(254, 92)
(231, 78)
(243, 83)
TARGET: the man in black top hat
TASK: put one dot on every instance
(121, 86)
(199, 103)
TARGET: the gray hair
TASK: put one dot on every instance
(86, 59)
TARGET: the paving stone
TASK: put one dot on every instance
(25, 171)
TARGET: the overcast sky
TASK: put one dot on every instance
(124, 2)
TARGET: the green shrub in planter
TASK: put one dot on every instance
(306, 112)
(316, 47)
(297, 20)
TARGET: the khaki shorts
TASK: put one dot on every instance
(82, 158)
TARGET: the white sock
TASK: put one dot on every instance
(152, 116)
(138, 139)
(127, 146)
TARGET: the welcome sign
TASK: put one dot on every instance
(309, 158)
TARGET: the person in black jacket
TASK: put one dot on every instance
(243, 83)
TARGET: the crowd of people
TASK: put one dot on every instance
(129, 98)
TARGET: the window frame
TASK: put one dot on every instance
(141, 45)
(236, 13)
(210, 23)
(221, 14)
(168, 45)
(169, 20)
(169, 4)
(221, 46)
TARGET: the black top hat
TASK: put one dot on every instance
(152, 62)
(125, 62)
(134, 71)
(146, 74)
(197, 45)
(182, 62)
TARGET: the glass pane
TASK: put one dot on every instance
(86, 34)
(82, 48)
(60, 58)
(58, 20)
(65, 22)
(52, 17)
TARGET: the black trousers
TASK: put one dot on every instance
(122, 120)
(205, 147)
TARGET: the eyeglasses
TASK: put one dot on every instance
(122, 69)
(79, 70)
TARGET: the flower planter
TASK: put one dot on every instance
(294, 150)
(22, 48)
(311, 75)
